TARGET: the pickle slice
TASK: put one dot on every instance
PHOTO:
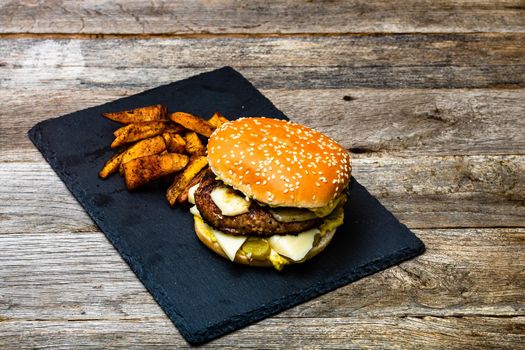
(256, 248)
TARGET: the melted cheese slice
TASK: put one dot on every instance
(191, 193)
(290, 246)
(195, 211)
(230, 244)
(228, 202)
(294, 247)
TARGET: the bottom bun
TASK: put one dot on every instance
(241, 258)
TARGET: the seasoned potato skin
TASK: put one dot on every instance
(152, 144)
(194, 145)
(143, 148)
(140, 171)
(183, 197)
(195, 165)
(174, 142)
(111, 165)
(192, 122)
(135, 132)
(139, 115)
(217, 119)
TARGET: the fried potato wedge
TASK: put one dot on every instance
(192, 122)
(139, 115)
(195, 165)
(173, 128)
(194, 144)
(143, 148)
(214, 120)
(111, 165)
(217, 119)
(223, 119)
(140, 171)
(183, 197)
(136, 132)
(174, 142)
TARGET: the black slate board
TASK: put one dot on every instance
(203, 294)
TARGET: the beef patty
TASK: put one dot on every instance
(258, 221)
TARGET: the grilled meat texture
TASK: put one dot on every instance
(257, 222)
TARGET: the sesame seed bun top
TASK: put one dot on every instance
(279, 162)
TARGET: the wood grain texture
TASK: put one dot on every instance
(412, 121)
(452, 292)
(427, 95)
(480, 332)
(377, 61)
(398, 122)
(317, 333)
(277, 16)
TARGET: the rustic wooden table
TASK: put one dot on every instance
(428, 96)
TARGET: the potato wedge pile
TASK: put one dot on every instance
(152, 144)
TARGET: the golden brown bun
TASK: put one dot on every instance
(241, 258)
(279, 162)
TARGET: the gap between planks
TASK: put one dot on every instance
(102, 36)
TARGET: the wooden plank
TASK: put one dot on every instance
(451, 191)
(311, 333)
(402, 122)
(412, 121)
(72, 288)
(423, 192)
(24, 207)
(377, 61)
(278, 16)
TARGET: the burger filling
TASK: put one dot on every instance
(256, 219)
(246, 228)
(279, 250)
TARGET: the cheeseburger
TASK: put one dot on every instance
(273, 194)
